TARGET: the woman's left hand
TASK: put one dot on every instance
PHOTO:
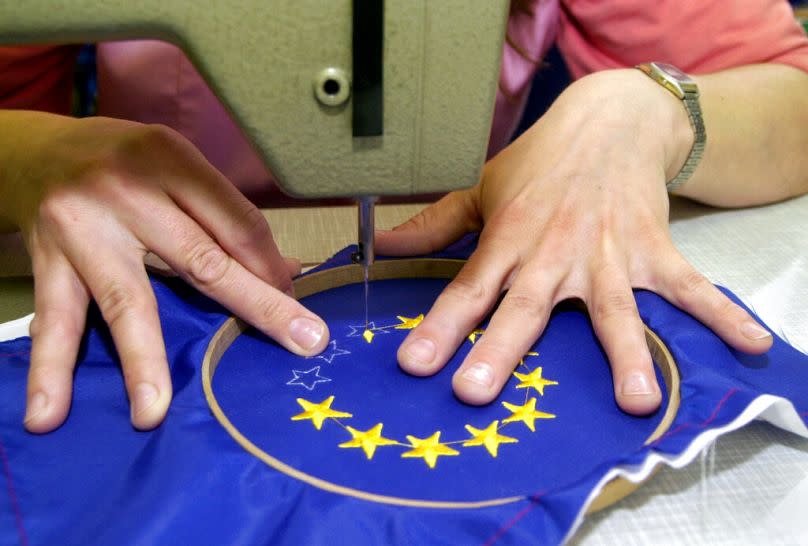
(575, 208)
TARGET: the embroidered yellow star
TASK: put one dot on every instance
(368, 440)
(527, 414)
(473, 335)
(368, 335)
(533, 379)
(428, 448)
(318, 412)
(531, 353)
(408, 323)
(488, 437)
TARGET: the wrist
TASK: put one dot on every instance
(660, 119)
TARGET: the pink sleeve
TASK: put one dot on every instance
(698, 36)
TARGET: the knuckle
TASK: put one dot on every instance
(253, 229)
(58, 327)
(690, 283)
(524, 303)
(207, 264)
(60, 211)
(614, 305)
(510, 220)
(117, 301)
(271, 310)
(466, 289)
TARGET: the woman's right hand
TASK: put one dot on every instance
(91, 198)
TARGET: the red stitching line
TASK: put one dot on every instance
(534, 501)
(10, 355)
(12, 495)
(704, 423)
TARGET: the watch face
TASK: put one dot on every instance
(674, 72)
(682, 80)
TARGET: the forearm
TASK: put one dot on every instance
(756, 119)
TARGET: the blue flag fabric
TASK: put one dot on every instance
(366, 453)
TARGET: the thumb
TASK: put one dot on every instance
(435, 227)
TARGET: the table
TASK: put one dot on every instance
(759, 486)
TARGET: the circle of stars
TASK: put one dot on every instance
(431, 448)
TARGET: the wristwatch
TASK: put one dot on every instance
(686, 90)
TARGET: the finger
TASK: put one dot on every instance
(124, 296)
(192, 253)
(433, 228)
(239, 227)
(517, 323)
(154, 264)
(617, 324)
(60, 302)
(685, 287)
(458, 310)
(293, 266)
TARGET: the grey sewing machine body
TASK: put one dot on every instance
(341, 98)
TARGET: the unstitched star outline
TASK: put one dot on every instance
(359, 331)
(308, 378)
(330, 352)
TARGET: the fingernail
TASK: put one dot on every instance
(637, 384)
(143, 397)
(36, 406)
(306, 333)
(480, 373)
(421, 351)
(754, 331)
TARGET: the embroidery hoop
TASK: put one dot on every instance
(416, 268)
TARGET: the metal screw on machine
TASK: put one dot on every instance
(332, 86)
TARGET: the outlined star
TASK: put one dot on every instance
(526, 414)
(428, 449)
(488, 437)
(408, 323)
(359, 331)
(318, 412)
(330, 352)
(475, 334)
(368, 440)
(308, 378)
(533, 379)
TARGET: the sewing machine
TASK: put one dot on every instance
(341, 98)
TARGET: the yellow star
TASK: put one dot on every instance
(473, 335)
(428, 448)
(368, 335)
(527, 414)
(533, 379)
(318, 412)
(409, 323)
(368, 440)
(530, 353)
(488, 437)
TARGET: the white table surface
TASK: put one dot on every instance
(758, 492)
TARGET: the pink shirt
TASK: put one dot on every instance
(153, 82)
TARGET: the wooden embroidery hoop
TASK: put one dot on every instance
(417, 268)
